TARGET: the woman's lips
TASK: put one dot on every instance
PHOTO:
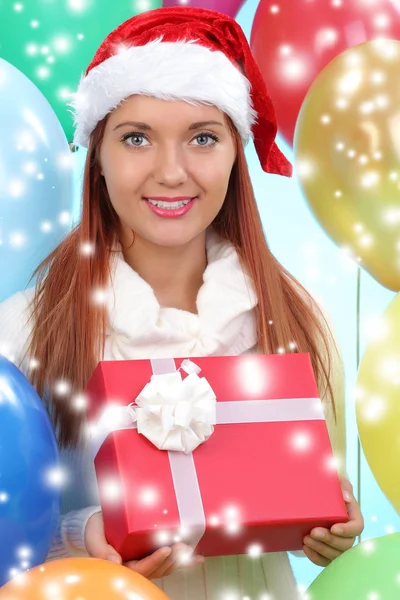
(171, 213)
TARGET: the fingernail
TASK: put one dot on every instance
(318, 534)
(166, 551)
(113, 558)
(347, 496)
(200, 560)
(338, 530)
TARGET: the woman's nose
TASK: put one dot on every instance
(170, 169)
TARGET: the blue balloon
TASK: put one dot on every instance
(36, 179)
(30, 491)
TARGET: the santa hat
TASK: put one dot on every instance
(190, 54)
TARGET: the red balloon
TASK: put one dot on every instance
(226, 7)
(293, 40)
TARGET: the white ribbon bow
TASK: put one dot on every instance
(175, 413)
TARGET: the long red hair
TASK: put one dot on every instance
(70, 329)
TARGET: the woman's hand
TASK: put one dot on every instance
(322, 546)
(159, 564)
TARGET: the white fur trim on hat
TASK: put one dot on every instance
(180, 70)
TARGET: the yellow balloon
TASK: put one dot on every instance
(378, 403)
(347, 155)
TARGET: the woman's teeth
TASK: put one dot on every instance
(169, 205)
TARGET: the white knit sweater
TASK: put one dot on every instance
(140, 328)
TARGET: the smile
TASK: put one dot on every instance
(170, 208)
(169, 205)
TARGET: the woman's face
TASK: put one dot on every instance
(166, 167)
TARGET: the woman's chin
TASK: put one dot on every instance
(173, 239)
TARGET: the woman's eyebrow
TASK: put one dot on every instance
(146, 127)
(199, 124)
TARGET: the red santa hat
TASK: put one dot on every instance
(190, 54)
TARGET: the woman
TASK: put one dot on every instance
(170, 260)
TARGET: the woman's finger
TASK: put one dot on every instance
(324, 536)
(151, 563)
(178, 552)
(354, 526)
(321, 548)
(315, 557)
(180, 558)
(346, 485)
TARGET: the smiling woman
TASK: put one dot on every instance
(170, 260)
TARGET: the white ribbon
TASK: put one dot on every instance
(173, 413)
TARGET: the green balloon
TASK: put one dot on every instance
(370, 570)
(53, 41)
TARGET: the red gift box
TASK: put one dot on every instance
(264, 478)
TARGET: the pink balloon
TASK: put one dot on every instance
(227, 7)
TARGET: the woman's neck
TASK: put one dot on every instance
(175, 274)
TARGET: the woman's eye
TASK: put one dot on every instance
(203, 138)
(136, 138)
